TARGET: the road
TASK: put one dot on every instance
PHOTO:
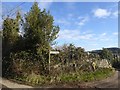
(9, 84)
(111, 82)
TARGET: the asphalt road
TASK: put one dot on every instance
(111, 82)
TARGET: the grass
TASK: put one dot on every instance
(97, 75)
(86, 76)
(77, 77)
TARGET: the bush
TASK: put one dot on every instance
(26, 63)
(76, 77)
(116, 64)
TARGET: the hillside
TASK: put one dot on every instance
(114, 50)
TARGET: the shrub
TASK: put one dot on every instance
(26, 63)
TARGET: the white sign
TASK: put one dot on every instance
(54, 52)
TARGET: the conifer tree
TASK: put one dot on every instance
(40, 33)
(39, 29)
(10, 33)
(9, 39)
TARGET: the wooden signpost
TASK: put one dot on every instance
(52, 52)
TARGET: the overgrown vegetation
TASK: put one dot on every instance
(25, 56)
(65, 78)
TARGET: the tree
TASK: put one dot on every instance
(71, 50)
(31, 47)
(39, 29)
(10, 33)
(1, 34)
(79, 53)
(106, 54)
(40, 33)
(9, 39)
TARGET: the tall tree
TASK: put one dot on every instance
(10, 33)
(39, 29)
(40, 33)
(9, 39)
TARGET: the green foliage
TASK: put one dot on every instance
(35, 79)
(30, 50)
(64, 78)
(70, 53)
(10, 34)
(10, 37)
(25, 63)
(39, 29)
(86, 76)
(40, 33)
(25, 57)
(70, 59)
(106, 54)
(116, 63)
(1, 34)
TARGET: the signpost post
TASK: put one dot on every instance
(52, 52)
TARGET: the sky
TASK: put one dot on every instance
(91, 25)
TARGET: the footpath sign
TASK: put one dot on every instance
(54, 52)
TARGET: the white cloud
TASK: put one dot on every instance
(115, 13)
(115, 33)
(74, 35)
(105, 37)
(68, 34)
(71, 35)
(102, 37)
(80, 17)
(103, 34)
(62, 21)
(83, 20)
(101, 13)
(89, 40)
(70, 15)
(45, 5)
(1, 22)
(86, 36)
(94, 44)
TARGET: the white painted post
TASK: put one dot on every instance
(49, 61)
(52, 52)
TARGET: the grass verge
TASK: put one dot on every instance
(63, 78)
